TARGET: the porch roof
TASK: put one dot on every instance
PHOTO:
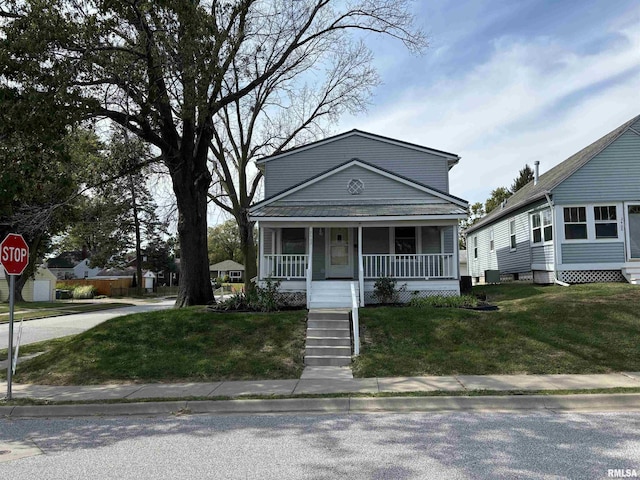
(359, 211)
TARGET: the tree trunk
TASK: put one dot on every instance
(136, 223)
(34, 248)
(248, 247)
(190, 185)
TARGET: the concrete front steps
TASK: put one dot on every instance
(331, 294)
(328, 338)
(631, 271)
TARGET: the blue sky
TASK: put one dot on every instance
(505, 83)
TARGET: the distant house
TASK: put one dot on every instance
(40, 288)
(577, 223)
(64, 264)
(83, 270)
(464, 270)
(342, 213)
(234, 270)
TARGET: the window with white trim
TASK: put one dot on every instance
(605, 218)
(541, 226)
(575, 223)
(492, 244)
(512, 233)
(475, 246)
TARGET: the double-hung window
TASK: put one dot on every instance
(512, 234)
(541, 226)
(492, 244)
(575, 223)
(606, 222)
(475, 246)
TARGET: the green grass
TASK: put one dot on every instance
(189, 344)
(537, 330)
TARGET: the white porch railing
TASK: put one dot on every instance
(285, 266)
(409, 266)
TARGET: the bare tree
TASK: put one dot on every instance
(166, 71)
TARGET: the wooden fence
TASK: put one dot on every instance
(107, 286)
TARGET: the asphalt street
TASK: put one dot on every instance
(369, 446)
(54, 327)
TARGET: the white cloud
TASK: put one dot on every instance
(528, 101)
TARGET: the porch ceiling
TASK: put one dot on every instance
(319, 211)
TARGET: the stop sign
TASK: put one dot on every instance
(14, 254)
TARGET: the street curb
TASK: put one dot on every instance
(520, 403)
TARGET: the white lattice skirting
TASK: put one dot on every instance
(591, 276)
(406, 296)
(292, 299)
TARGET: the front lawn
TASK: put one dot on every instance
(537, 330)
(189, 344)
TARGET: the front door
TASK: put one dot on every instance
(339, 254)
(632, 211)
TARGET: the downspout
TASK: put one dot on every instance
(555, 240)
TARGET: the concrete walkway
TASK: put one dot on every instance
(396, 385)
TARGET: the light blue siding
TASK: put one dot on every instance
(448, 240)
(542, 255)
(285, 172)
(503, 258)
(613, 174)
(376, 187)
(593, 253)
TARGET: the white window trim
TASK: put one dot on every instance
(492, 240)
(591, 223)
(553, 229)
(514, 235)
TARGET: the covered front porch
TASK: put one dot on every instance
(325, 258)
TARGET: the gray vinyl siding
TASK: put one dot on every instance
(285, 172)
(318, 260)
(431, 240)
(375, 240)
(612, 175)
(268, 243)
(448, 240)
(376, 187)
(593, 253)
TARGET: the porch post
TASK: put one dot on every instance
(456, 245)
(360, 267)
(309, 266)
(261, 252)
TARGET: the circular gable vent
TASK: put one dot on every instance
(355, 186)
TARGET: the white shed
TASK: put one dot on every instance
(40, 288)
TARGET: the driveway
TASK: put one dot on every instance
(54, 327)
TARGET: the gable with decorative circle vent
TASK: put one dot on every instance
(355, 186)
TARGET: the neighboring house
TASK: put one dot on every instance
(577, 223)
(83, 270)
(39, 288)
(63, 265)
(353, 208)
(235, 270)
(464, 270)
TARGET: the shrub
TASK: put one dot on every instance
(262, 299)
(385, 291)
(84, 291)
(441, 301)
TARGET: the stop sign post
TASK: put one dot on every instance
(14, 257)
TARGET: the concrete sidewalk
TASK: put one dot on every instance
(397, 385)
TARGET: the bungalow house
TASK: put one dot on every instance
(353, 208)
(234, 270)
(577, 223)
